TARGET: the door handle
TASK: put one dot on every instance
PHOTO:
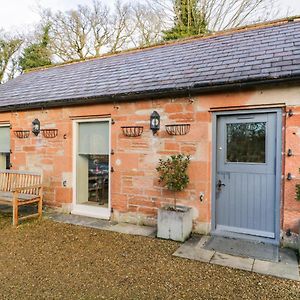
(220, 184)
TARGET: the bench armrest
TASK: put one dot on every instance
(29, 187)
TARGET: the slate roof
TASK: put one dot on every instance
(263, 53)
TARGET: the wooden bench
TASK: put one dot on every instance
(21, 188)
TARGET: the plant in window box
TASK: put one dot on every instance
(174, 221)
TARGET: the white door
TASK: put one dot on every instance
(91, 165)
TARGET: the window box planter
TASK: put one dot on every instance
(173, 224)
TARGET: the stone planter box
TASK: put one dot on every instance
(174, 225)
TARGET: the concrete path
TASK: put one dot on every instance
(287, 267)
(102, 224)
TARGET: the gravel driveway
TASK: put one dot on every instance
(47, 260)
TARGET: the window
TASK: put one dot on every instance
(246, 142)
(4, 147)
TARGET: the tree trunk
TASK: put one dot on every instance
(175, 201)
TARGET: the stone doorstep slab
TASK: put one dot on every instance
(287, 268)
(277, 270)
(79, 220)
(132, 229)
(243, 248)
(103, 224)
(235, 262)
(194, 253)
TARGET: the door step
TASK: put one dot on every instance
(243, 248)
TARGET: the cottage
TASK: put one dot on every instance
(231, 100)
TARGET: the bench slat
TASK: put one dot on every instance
(9, 196)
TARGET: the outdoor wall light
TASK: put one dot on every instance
(36, 127)
(289, 176)
(290, 152)
(155, 122)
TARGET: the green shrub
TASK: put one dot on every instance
(173, 173)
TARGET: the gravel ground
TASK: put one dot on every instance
(47, 260)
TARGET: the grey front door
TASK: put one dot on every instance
(246, 174)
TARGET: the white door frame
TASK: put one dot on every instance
(90, 210)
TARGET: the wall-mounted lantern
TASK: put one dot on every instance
(289, 176)
(155, 122)
(36, 127)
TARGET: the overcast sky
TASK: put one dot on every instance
(19, 13)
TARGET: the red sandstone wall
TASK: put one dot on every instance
(291, 215)
(135, 187)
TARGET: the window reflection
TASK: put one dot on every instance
(98, 178)
(246, 142)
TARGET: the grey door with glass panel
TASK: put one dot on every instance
(246, 174)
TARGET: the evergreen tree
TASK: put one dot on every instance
(189, 20)
(37, 54)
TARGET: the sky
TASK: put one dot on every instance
(17, 14)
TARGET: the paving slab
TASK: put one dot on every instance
(287, 267)
(133, 229)
(103, 224)
(231, 261)
(192, 251)
(287, 256)
(243, 248)
(80, 220)
(204, 239)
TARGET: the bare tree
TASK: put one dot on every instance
(97, 29)
(233, 13)
(9, 47)
(13, 68)
(89, 30)
(69, 33)
(122, 27)
(149, 23)
(225, 14)
(99, 18)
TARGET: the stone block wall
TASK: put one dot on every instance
(136, 193)
(292, 165)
